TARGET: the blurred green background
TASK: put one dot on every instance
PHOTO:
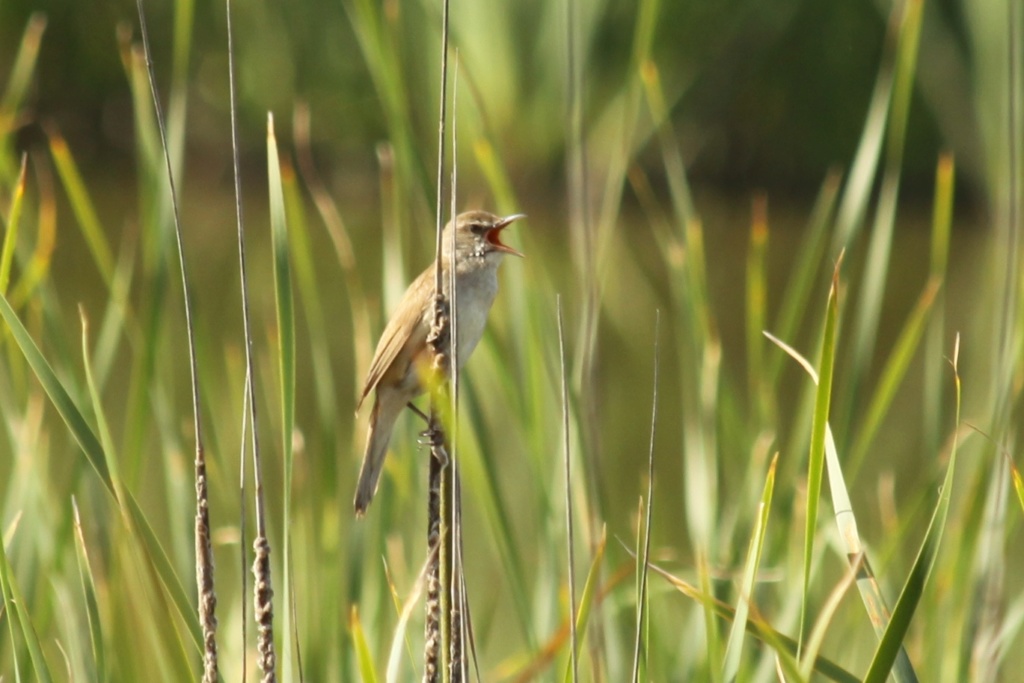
(766, 104)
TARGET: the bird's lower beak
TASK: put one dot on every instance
(494, 236)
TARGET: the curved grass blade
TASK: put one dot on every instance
(846, 521)
(793, 308)
(94, 453)
(891, 643)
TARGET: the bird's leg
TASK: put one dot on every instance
(414, 408)
(432, 437)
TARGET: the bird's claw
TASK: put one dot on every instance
(434, 439)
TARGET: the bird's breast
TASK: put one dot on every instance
(475, 292)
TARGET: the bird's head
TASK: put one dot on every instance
(478, 237)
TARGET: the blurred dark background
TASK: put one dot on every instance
(767, 94)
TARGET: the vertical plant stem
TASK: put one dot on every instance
(568, 494)
(454, 577)
(263, 605)
(642, 588)
(438, 621)
(432, 627)
(207, 597)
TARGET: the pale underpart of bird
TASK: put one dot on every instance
(403, 353)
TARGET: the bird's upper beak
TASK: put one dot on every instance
(494, 234)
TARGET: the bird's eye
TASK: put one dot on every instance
(478, 228)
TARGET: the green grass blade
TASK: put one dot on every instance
(61, 399)
(891, 643)
(934, 377)
(364, 658)
(24, 64)
(793, 309)
(865, 163)
(11, 232)
(16, 607)
(302, 259)
(496, 509)
(816, 459)
(92, 607)
(83, 207)
(587, 598)
(106, 443)
(846, 521)
(19, 80)
(869, 305)
(286, 368)
(374, 29)
(942, 215)
(757, 297)
(734, 645)
(893, 374)
(1018, 484)
(39, 264)
(675, 169)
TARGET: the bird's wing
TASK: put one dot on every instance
(404, 333)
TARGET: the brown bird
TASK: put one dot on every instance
(403, 352)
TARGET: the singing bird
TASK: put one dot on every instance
(403, 352)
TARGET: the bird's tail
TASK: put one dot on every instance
(382, 423)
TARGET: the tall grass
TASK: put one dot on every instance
(886, 464)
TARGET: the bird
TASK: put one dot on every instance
(403, 352)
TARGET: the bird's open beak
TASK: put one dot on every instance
(494, 234)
